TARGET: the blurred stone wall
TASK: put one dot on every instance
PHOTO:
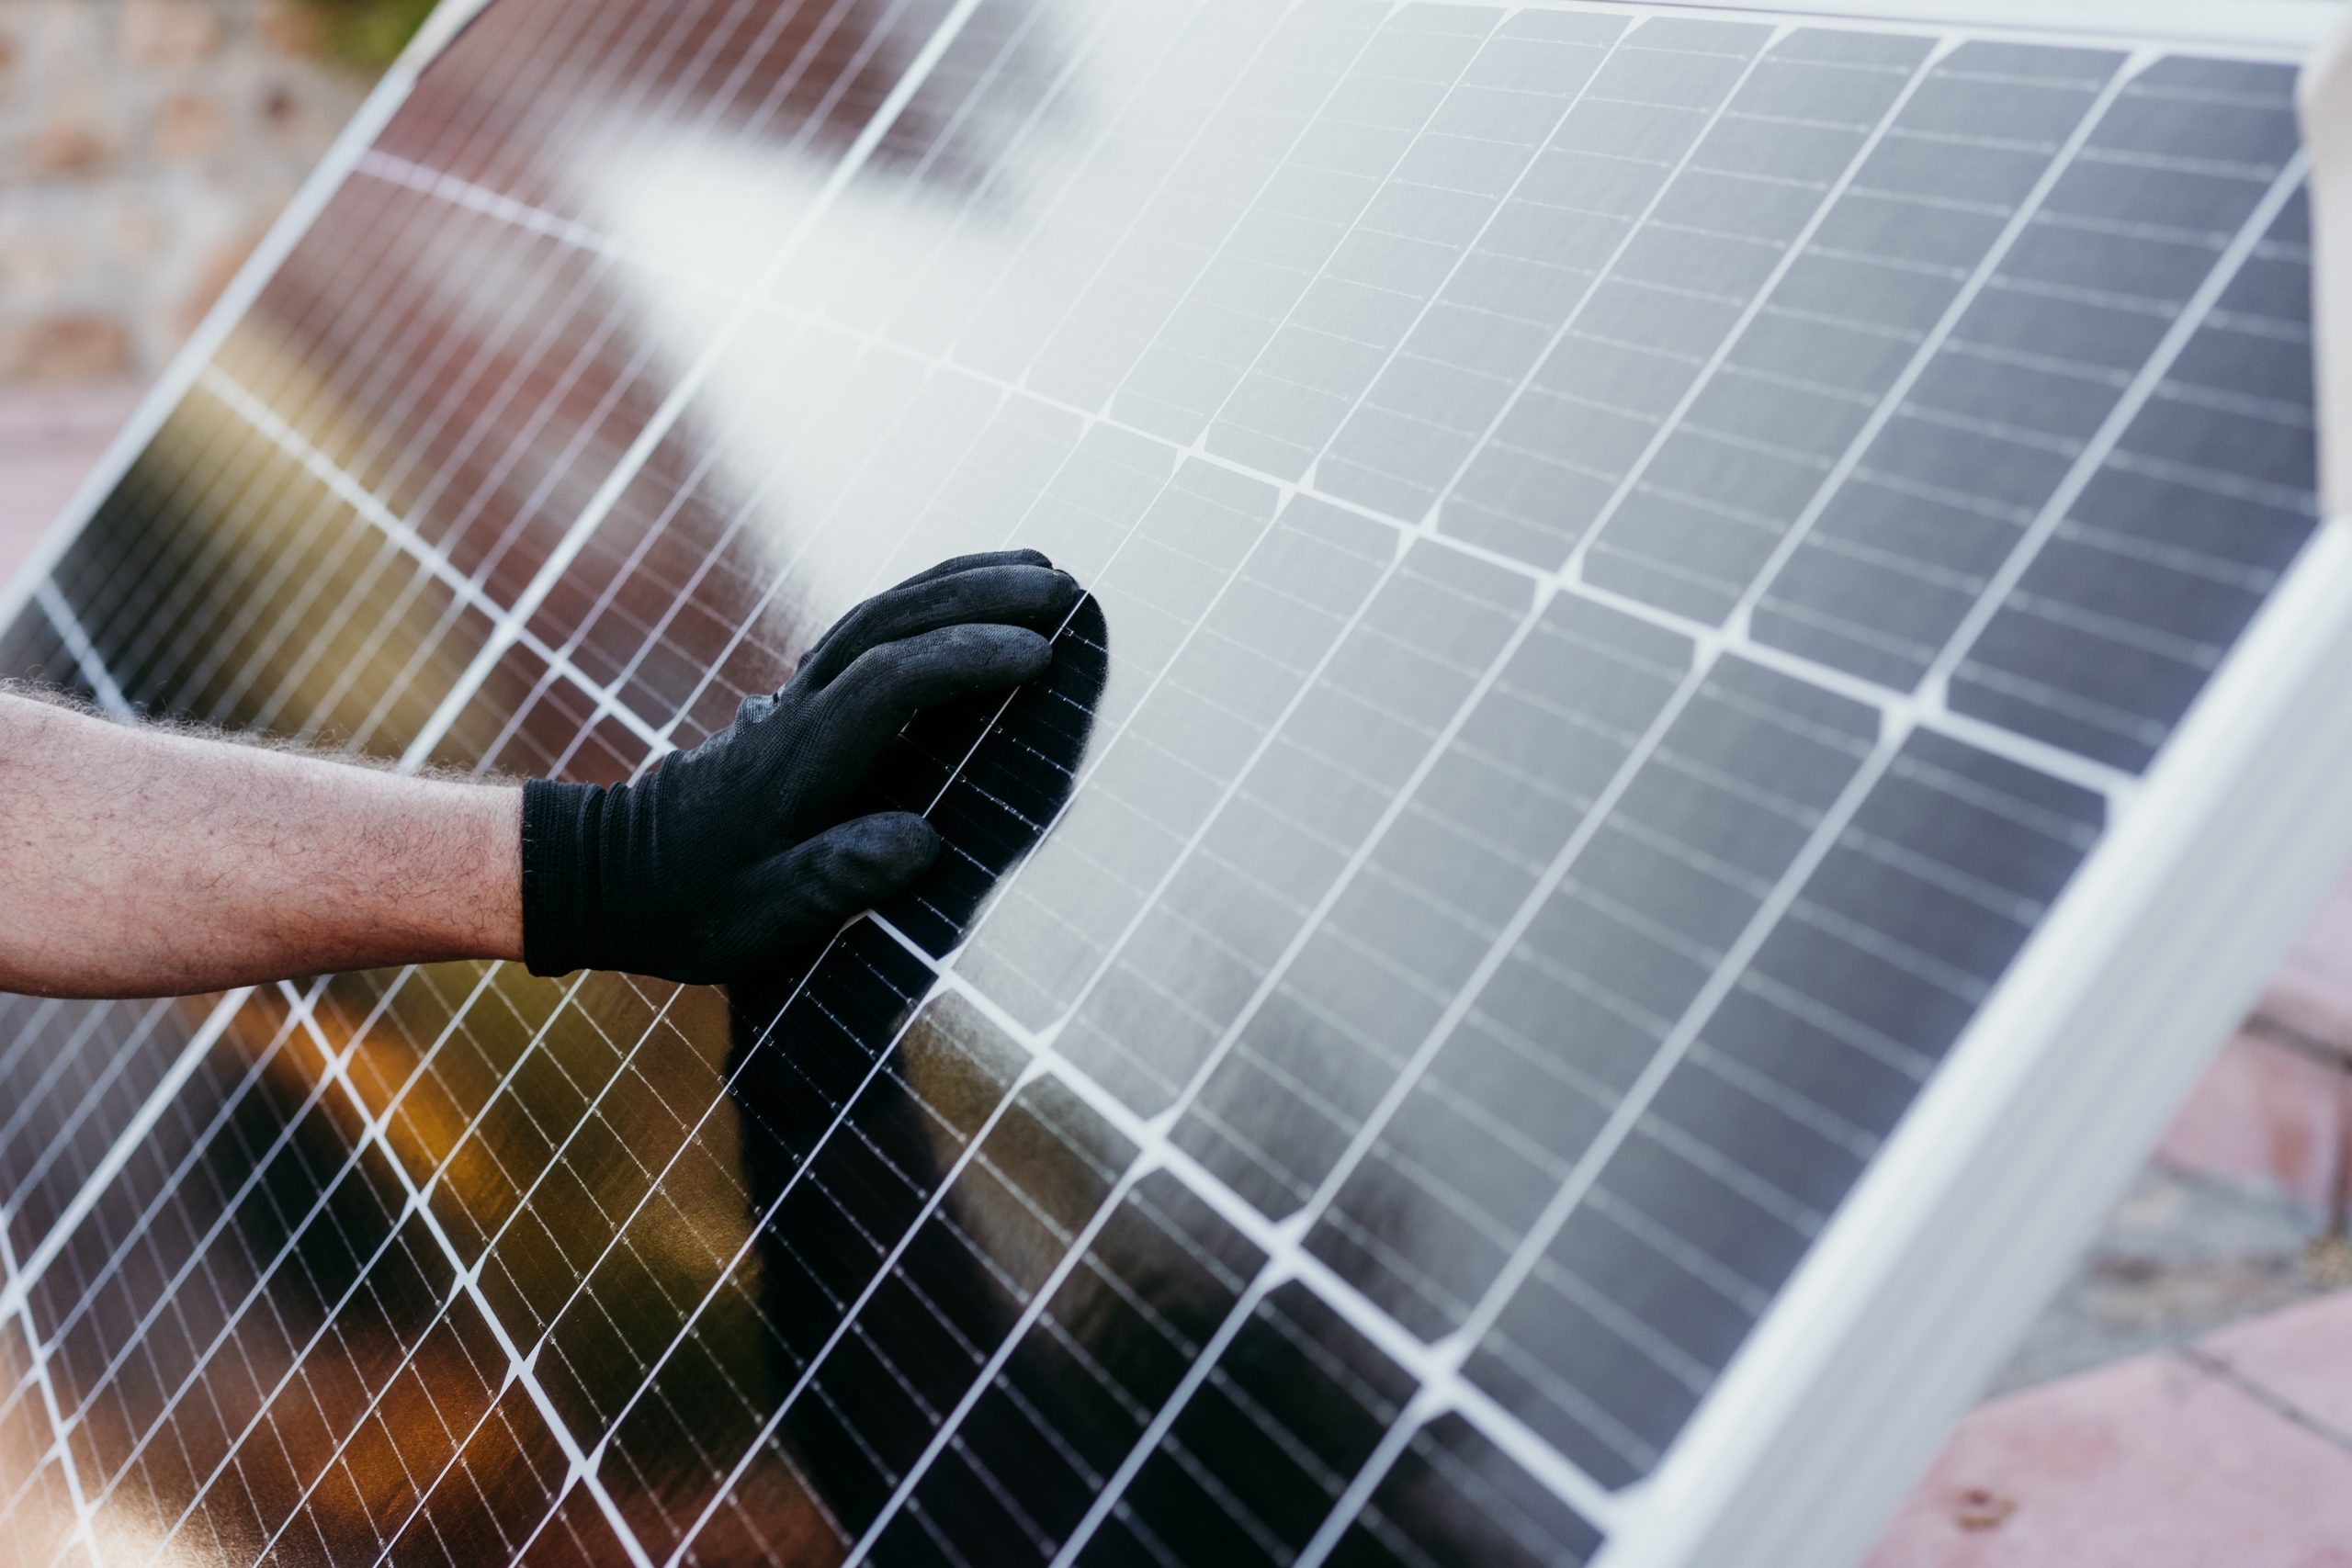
(145, 145)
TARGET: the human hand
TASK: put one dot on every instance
(726, 856)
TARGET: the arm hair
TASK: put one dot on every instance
(167, 858)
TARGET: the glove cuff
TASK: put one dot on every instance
(562, 906)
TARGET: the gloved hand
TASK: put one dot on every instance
(726, 856)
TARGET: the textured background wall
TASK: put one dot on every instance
(144, 147)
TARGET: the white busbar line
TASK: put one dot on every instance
(656, 428)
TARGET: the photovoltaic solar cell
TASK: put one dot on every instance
(1631, 557)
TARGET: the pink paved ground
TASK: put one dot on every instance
(2268, 1114)
(2236, 1453)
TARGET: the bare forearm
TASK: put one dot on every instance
(148, 863)
(145, 862)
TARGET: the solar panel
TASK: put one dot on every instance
(1700, 628)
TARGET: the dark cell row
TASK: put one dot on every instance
(1414, 388)
(1705, 1200)
(2161, 558)
(223, 581)
(35, 652)
(74, 1074)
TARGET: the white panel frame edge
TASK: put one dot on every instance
(1840, 1399)
(2048, 1103)
(2042, 1111)
(2231, 26)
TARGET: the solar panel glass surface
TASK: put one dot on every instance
(1631, 557)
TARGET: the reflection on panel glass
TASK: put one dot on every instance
(1628, 556)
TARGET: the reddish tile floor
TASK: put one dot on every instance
(2271, 1113)
(2235, 1451)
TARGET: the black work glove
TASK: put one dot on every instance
(726, 856)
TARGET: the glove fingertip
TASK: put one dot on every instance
(1012, 654)
(981, 560)
(878, 855)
